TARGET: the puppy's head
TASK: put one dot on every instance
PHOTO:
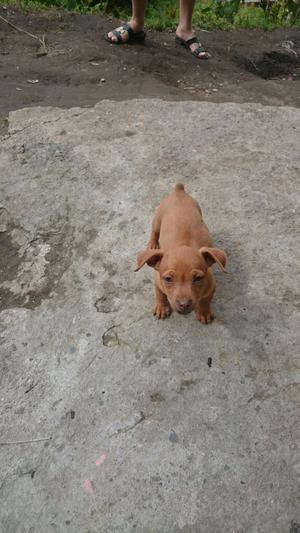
(184, 273)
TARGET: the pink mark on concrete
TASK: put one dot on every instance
(89, 487)
(101, 459)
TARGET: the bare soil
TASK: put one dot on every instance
(81, 67)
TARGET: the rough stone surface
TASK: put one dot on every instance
(155, 426)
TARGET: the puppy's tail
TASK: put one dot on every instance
(179, 187)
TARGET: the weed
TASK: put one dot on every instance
(163, 14)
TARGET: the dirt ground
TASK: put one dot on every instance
(246, 66)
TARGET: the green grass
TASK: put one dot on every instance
(253, 18)
(163, 14)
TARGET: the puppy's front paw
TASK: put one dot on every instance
(205, 317)
(162, 310)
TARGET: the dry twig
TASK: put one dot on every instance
(24, 441)
(42, 41)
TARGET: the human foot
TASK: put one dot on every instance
(128, 33)
(190, 41)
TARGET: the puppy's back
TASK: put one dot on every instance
(181, 220)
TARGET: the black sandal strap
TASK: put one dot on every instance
(129, 29)
(118, 35)
(190, 41)
(132, 36)
(199, 50)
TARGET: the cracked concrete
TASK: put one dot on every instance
(155, 426)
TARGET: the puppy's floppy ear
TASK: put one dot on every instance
(151, 257)
(214, 255)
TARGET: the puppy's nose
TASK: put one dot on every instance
(184, 304)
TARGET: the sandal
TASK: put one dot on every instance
(133, 37)
(197, 51)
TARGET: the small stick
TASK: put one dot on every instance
(41, 41)
(24, 441)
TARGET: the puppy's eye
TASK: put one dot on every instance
(168, 279)
(197, 279)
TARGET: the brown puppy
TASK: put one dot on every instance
(180, 250)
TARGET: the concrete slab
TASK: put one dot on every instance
(145, 435)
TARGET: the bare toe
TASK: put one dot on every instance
(111, 36)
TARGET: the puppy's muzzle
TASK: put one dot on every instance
(184, 306)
